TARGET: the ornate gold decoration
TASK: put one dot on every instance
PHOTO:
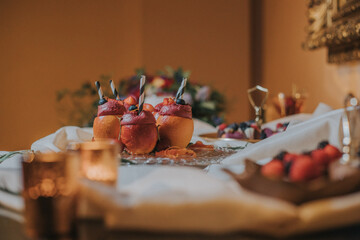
(334, 24)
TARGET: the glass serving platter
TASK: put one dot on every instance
(214, 137)
(203, 158)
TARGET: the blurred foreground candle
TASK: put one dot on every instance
(50, 194)
(99, 161)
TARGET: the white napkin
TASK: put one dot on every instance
(11, 183)
(61, 138)
(187, 200)
(201, 127)
(298, 138)
(182, 199)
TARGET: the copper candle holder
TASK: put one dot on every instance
(99, 161)
(49, 194)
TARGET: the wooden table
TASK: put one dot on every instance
(94, 230)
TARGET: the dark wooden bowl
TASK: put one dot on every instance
(297, 193)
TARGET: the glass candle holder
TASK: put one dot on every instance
(289, 105)
(99, 161)
(49, 194)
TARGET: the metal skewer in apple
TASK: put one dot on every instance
(138, 127)
(107, 123)
(175, 121)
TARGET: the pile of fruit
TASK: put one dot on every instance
(140, 131)
(248, 130)
(302, 167)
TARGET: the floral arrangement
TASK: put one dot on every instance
(79, 107)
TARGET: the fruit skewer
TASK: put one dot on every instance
(113, 89)
(101, 93)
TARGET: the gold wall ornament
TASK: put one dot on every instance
(334, 24)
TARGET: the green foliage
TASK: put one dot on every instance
(79, 107)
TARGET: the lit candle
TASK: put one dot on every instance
(99, 161)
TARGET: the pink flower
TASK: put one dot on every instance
(203, 94)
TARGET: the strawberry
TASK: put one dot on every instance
(279, 125)
(332, 152)
(148, 107)
(304, 168)
(130, 100)
(255, 126)
(222, 126)
(320, 157)
(273, 169)
(168, 101)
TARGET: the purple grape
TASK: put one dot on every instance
(235, 135)
(268, 132)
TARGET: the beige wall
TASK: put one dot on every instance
(208, 37)
(49, 45)
(285, 62)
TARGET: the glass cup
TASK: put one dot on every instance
(49, 194)
(99, 161)
(287, 105)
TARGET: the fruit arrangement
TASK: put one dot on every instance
(299, 178)
(302, 167)
(142, 128)
(248, 130)
(176, 126)
(107, 122)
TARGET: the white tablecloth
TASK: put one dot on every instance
(185, 199)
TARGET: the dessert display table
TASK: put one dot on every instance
(161, 199)
(93, 230)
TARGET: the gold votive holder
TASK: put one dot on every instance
(99, 161)
(49, 194)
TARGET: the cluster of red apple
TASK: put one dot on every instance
(165, 125)
(302, 167)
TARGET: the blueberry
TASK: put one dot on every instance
(244, 126)
(281, 155)
(307, 153)
(287, 167)
(323, 144)
(234, 126)
(285, 125)
(102, 101)
(180, 101)
(263, 134)
(132, 107)
(268, 132)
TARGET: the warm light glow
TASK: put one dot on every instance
(100, 173)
